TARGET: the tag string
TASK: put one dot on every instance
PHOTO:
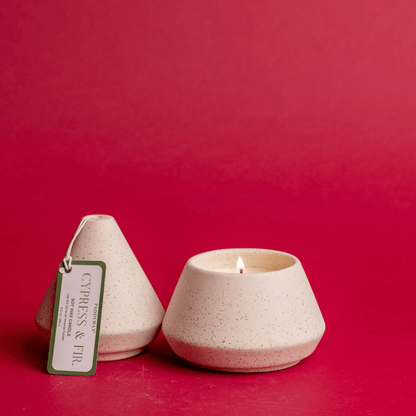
(68, 259)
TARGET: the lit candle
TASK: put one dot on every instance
(243, 310)
(254, 265)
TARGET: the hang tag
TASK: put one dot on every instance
(75, 332)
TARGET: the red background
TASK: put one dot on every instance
(208, 125)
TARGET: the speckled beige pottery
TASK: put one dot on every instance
(263, 320)
(132, 313)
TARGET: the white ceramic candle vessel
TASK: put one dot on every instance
(264, 319)
(131, 313)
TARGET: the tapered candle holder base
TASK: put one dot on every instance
(264, 319)
(249, 370)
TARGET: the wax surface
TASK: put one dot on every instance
(247, 270)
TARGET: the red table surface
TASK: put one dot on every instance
(208, 125)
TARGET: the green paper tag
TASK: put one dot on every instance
(75, 332)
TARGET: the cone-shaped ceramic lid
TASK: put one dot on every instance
(130, 304)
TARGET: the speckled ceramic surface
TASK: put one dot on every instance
(132, 313)
(251, 322)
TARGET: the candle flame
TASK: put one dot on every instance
(240, 265)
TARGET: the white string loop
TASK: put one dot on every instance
(68, 259)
